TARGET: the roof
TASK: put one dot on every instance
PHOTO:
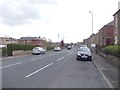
(116, 12)
(30, 38)
(110, 23)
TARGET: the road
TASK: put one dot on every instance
(50, 70)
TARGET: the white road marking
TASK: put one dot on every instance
(18, 63)
(33, 59)
(38, 70)
(60, 59)
(67, 54)
(11, 65)
(52, 54)
(36, 58)
(7, 66)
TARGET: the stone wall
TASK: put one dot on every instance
(21, 52)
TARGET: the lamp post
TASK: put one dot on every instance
(92, 19)
(92, 28)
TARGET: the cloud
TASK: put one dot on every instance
(19, 12)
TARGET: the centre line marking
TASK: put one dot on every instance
(7, 66)
(52, 54)
(38, 70)
(33, 59)
(18, 63)
(60, 59)
(36, 58)
(11, 65)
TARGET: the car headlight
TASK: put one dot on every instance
(79, 54)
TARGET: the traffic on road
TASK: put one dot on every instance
(51, 70)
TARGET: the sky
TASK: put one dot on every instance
(48, 18)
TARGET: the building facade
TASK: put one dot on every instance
(106, 34)
(32, 40)
(104, 37)
(117, 27)
(7, 40)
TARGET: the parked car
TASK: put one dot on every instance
(57, 49)
(83, 45)
(84, 53)
(69, 47)
(38, 50)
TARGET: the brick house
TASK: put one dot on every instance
(106, 35)
(32, 40)
(117, 27)
(7, 40)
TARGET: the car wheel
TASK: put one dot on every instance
(77, 58)
(90, 59)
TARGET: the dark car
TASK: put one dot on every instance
(84, 53)
(69, 48)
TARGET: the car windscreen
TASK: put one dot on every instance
(84, 49)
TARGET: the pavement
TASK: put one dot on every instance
(108, 70)
(57, 70)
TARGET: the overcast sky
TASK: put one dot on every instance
(48, 18)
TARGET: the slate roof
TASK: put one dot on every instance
(30, 38)
(110, 23)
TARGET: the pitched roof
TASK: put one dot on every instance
(30, 38)
(116, 12)
(110, 23)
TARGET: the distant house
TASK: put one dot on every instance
(7, 40)
(106, 34)
(117, 27)
(32, 40)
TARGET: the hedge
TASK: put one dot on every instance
(50, 47)
(12, 47)
(113, 50)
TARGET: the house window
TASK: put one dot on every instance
(7, 40)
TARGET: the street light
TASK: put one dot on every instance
(92, 19)
(92, 29)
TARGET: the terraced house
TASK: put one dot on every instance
(117, 27)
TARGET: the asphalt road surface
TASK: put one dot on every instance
(50, 70)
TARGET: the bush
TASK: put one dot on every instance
(112, 50)
(12, 47)
(50, 47)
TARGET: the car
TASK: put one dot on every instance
(57, 49)
(38, 50)
(69, 48)
(84, 53)
(83, 45)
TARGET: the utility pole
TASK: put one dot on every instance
(58, 37)
(92, 28)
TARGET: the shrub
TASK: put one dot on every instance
(50, 47)
(113, 50)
